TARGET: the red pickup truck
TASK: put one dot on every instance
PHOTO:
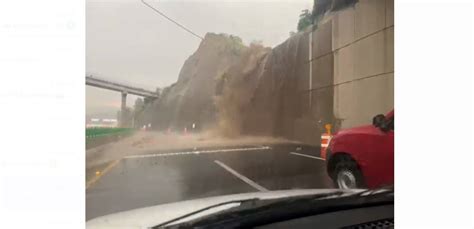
(363, 157)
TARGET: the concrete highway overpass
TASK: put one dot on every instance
(123, 89)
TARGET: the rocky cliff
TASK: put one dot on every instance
(235, 89)
(191, 98)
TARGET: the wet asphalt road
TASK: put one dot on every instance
(146, 181)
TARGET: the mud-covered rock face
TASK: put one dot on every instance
(276, 102)
(191, 99)
(235, 89)
(262, 93)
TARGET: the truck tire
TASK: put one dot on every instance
(347, 174)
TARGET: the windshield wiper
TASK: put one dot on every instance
(204, 209)
(248, 204)
(263, 212)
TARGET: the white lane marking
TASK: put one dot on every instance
(305, 155)
(242, 177)
(197, 152)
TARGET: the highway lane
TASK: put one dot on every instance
(165, 177)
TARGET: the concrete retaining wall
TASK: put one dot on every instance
(363, 62)
(352, 70)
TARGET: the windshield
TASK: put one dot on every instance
(188, 100)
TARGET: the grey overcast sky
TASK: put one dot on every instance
(128, 42)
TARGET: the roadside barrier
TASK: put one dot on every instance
(106, 131)
(97, 136)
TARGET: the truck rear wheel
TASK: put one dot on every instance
(347, 174)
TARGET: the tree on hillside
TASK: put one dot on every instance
(306, 19)
(237, 44)
(236, 39)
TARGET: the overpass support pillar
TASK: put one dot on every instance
(123, 109)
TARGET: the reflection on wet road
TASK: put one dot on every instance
(165, 177)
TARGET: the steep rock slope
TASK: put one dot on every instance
(191, 98)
